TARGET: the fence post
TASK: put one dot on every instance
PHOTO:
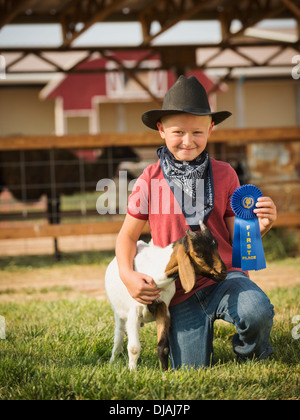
(2, 67)
(2, 328)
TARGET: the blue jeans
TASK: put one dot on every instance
(236, 300)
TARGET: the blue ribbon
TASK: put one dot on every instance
(248, 252)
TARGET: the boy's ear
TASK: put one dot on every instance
(210, 129)
(161, 129)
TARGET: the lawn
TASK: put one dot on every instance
(58, 345)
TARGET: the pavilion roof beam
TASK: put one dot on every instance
(47, 60)
(168, 13)
(249, 13)
(82, 14)
(10, 9)
(160, 48)
(293, 7)
(16, 61)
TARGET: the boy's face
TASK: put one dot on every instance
(185, 135)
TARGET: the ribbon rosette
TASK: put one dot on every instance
(248, 252)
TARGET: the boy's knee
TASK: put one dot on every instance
(257, 314)
(253, 331)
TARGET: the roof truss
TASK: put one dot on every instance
(77, 16)
(11, 9)
(81, 15)
(178, 58)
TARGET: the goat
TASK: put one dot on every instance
(195, 253)
(29, 174)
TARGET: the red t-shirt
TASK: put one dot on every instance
(153, 200)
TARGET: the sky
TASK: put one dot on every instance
(125, 34)
(128, 34)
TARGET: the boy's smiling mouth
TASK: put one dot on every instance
(186, 149)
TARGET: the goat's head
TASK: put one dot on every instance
(196, 253)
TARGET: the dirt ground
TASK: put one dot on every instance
(88, 280)
(54, 283)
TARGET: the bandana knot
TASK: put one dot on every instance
(183, 179)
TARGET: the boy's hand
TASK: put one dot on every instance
(266, 213)
(141, 287)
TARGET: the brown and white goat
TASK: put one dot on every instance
(195, 253)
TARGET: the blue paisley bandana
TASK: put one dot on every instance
(191, 183)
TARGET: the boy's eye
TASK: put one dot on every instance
(180, 132)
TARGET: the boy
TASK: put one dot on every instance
(185, 123)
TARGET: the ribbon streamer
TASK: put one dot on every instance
(248, 252)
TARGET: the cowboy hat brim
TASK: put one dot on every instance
(151, 118)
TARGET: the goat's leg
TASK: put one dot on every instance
(54, 218)
(119, 337)
(133, 329)
(57, 221)
(163, 326)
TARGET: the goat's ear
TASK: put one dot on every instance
(185, 269)
(203, 227)
(190, 234)
(172, 266)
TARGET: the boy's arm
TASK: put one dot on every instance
(140, 286)
(266, 213)
(229, 221)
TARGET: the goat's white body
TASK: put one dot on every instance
(151, 260)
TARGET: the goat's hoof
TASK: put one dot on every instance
(132, 366)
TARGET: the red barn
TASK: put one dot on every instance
(79, 94)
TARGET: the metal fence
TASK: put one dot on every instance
(48, 187)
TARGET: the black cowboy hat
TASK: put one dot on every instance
(188, 96)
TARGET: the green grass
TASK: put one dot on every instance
(29, 262)
(60, 349)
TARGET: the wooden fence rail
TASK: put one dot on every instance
(55, 231)
(145, 139)
(102, 228)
